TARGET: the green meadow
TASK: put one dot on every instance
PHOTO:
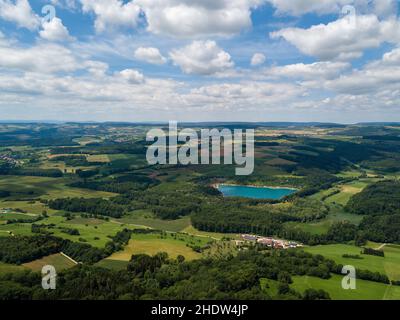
(94, 232)
(10, 268)
(16, 216)
(171, 243)
(25, 187)
(145, 218)
(58, 261)
(116, 265)
(341, 194)
(365, 290)
(388, 265)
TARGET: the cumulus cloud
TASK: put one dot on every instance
(342, 39)
(111, 14)
(132, 76)
(96, 68)
(54, 30)
(150, 55)
(39, 73)
(376, 77)
(202, 57)
(325, 70)
(258, 59)
(19, 12)
(192, 18)
(65, 4)
(300, 7)
(43, 58)
(392, 57)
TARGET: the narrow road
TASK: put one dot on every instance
(381, 247)
(68, 257)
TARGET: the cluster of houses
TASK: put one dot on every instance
(8, 159)
(268, 242)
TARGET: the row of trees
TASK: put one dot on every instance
(159, 277)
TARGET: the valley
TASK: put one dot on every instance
(85, 193)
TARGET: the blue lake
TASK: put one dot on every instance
(255, 192)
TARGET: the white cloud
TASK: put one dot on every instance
(325, 70)
(258, 59)
(44, 58)
(342, 39)
(376, 77)
(111, 14)
(246, 96)
(202, 57)
(385, 7)
(132, 76)
(65, 4)
(392, 57)
(20, 12)
(96, 68)
(54, 30)
(300, 7)
(150, 55)
(192, 18)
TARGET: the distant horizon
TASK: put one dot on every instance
(199, 122)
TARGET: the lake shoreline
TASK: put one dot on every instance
(217, 185)
(254, 192)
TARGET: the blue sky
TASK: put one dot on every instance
(200, 60)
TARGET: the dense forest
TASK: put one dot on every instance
(381, 198)
(158, 277)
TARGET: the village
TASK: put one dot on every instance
(9, 159)
(267, 241)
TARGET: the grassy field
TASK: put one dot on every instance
(31, 207)
(98, 158)
(10, 268)
(24, 187)
(336, 214)
(214, 235)
(388, 265)
(151, 244)
(366, 290)
(15, 216)
(269, 286)
(96, 232)
(86, 140)
(146, 219)
(60, 165)
(58, 261)
(346, 192)
(320, 227)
